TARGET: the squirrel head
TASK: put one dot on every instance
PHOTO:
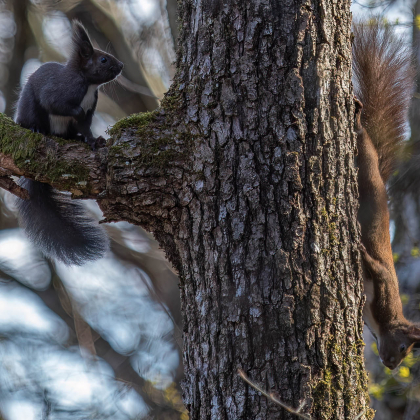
(97, 66)
(395, 343)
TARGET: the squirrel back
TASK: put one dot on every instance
(384, 78)
(383, 73)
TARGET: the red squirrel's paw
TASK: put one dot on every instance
(362, 248)
(379, 270)
(358, 104)
(367, 259)
(96, 143)
(371, 263)
(358, 113)
(91, 141)
(79, 114)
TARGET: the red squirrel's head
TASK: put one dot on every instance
(396, 343)
(97, 66)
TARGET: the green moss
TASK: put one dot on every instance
(152, 151)
(22, 145)
(17, 141)
(344, 377)
(160, 152)
(332, 228)
(132, 121)
(323, 398)
(63, 170)
(118, 149)
(336, 349)
(354, 360)
(159, 142)
(171, 101)
(170, 104)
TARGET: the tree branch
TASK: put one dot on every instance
(138, 177)
(9, 185)
(272, 398)
(68, 166)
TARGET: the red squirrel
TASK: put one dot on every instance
(384, 80)
(60, 99)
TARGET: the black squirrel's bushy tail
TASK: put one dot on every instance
(384, 79)
(59, 226)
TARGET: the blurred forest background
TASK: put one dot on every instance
(103, 341)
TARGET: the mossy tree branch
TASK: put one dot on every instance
(138, 177)
(72, 166)
(68, 166)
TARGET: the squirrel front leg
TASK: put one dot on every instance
(61, 107)
(377, 270)
(84, 128)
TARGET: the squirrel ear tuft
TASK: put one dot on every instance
(414, 333)
(81, 40)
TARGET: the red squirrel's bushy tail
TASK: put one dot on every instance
(384, 74)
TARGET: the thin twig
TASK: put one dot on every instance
(9, 185)
(360, 414)
(286, 407)
(272, 398)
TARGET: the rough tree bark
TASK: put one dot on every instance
(246, 177)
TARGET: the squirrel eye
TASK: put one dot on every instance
(103, 60)
(402, 348)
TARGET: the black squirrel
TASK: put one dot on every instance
(384, 81)
(60, 100)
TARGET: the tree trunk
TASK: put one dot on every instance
(246, 177)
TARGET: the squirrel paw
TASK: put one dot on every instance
(377, 268)
(96, 143)
(358, 105)
(358, 114)
(362, 248)
(100, 142)
(79, 114)
(91, 141)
